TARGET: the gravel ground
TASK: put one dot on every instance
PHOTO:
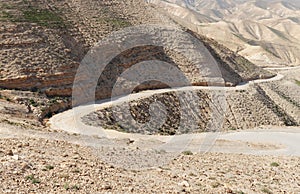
(31, 165)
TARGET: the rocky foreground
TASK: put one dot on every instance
(34, 165)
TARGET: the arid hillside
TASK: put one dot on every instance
(236, 131)
(265, 32)
(43, 42)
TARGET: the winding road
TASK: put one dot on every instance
(267, 141)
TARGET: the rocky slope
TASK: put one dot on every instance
(274, 103)
(42, 44)
(243, 109)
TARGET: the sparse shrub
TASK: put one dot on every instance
(43, 17)
(187, 153)
(36, 181)
(266, 190)
(6, 15)
(6, 6)
(64, 176)
(232, 129)
(66, 186)
(116, 22)
(29, 177)
(33, 179)
(75, 187)
(215, 184)
(7, 99)
(274, 164)
(76, 171)
(120, 23)
(33, 102)
(54, 100)
(297, 82)
(49, 167)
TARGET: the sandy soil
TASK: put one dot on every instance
(39, 164)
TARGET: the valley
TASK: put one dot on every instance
(156, 96)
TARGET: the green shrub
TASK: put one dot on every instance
(66, 186)
(187, 153)
(6, 6)
(33, 102)
(274, 164)
(43, 17)
(266, 190)
(75, 187)
(6, 16)
(116, 22)
(232, 129)
(33, 179)
(49, 167)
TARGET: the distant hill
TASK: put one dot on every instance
(264, 31)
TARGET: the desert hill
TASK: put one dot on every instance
(48, 146)
(44, 42)
(265, 32)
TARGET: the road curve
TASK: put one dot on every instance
(282, 68)
(70, 120)
(281, 141)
